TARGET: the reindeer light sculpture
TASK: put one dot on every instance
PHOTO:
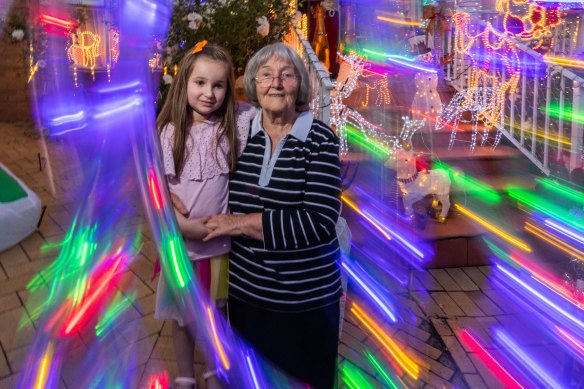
(343, 115)
(485, 96)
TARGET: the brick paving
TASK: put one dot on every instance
(451, 298)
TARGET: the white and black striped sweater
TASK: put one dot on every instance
(295, 268)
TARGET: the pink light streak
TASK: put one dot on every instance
(490, 362)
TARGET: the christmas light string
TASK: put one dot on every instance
(502, 47)
(533, 25)
(342, 115)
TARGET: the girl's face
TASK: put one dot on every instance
(206, 88)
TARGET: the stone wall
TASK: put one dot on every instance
(14, 101)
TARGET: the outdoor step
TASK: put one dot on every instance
(501, 183)
(442, 138)
(480, 152)
(503, 160)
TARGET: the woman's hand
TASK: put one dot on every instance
(235, 225)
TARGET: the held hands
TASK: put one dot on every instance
(220, 225)
(249, 225)
(193, 229)
(210, 227)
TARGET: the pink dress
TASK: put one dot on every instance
(203, 183)
(203, 187)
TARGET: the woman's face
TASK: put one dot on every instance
(277, 86)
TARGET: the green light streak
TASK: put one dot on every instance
(117, 307)
(84, 256)
(368, 144)
(376, 53)
(567, 182)
(502, 255)
(79, 289)
(471, 185)
(176, 267)
(546, 207)
(353, 377)
(68, 238)
(563, 114)
(562, 190)
(349, 380)
(380, 370)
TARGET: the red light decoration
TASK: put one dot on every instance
(154, 189)
(60, 23)
(159, 381)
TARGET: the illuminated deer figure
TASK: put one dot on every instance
(496, 48)
(378, 88)
(341, 114)
(84, 49)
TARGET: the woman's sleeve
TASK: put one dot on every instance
(166, 142)
(315, 221)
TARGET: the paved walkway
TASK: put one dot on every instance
(449, 299)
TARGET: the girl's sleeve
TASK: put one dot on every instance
(166, 142)
(243, 118)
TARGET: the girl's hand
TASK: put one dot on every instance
(178, 204)
(193, 229)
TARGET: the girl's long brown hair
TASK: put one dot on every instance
(176, 109)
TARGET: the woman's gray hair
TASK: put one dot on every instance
(283, 52)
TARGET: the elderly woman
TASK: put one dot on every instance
(284, 279)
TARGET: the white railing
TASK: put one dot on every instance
(321, 83)
(526, 119)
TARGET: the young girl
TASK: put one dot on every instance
(202, 132)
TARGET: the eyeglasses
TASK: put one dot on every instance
(267, 79)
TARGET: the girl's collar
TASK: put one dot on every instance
(213, 119)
